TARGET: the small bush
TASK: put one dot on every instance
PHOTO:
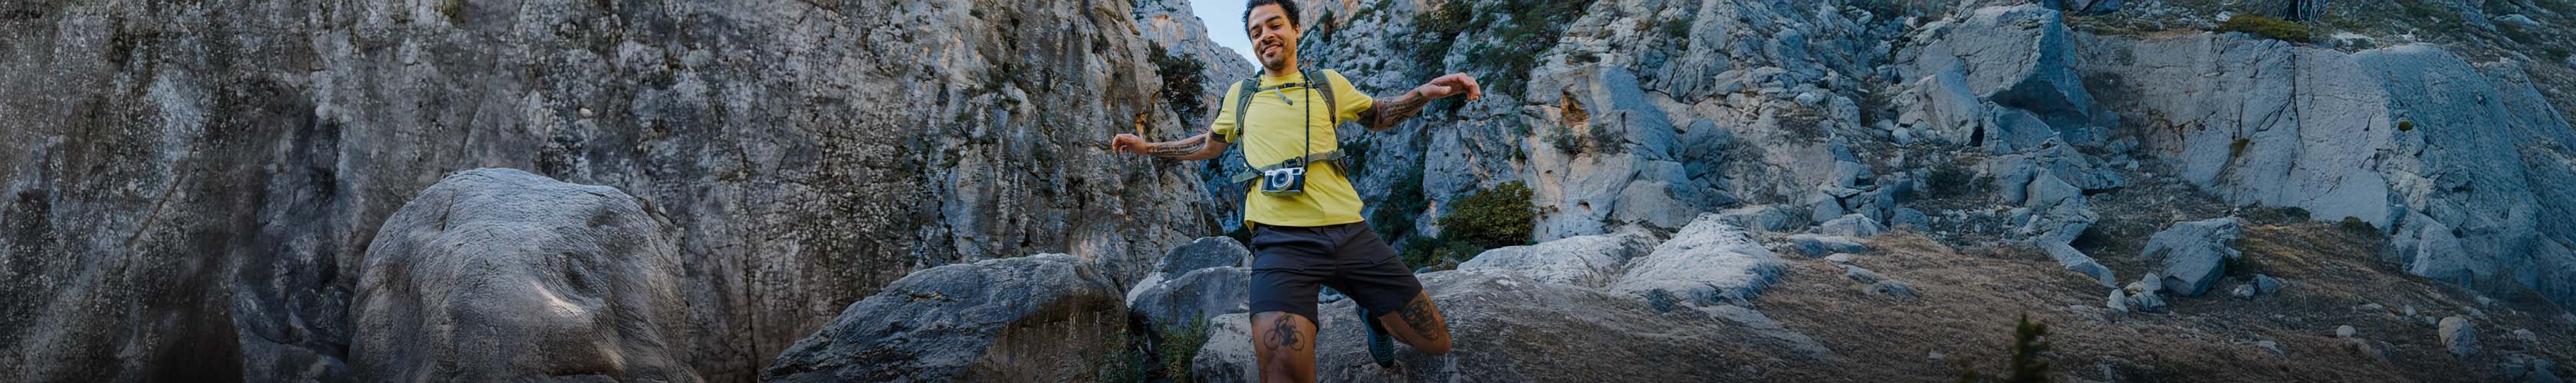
(1678, 28)
(1395, 215)
(1950, 180)
(2237, 148)
(1495, 217)
(2404, 126)
(1428, 251)
(1181, 344)
(2268, 27)
(2358, 227)
(1118, 364)
(1183, 78)
(2029, 341)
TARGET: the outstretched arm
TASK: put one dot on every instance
(1199, 147)
(1386, 112)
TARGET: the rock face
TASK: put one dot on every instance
(1013, 319)
(501, 275)
(188, 188)
(2461, 161)
(1561, 331)
(2193, 255)
(2458, 336)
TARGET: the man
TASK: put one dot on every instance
(1315, 238)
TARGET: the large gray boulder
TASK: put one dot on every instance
(1205, 278)
(1034, 318)
(1588, 261)
(501, 275)
(2458, 336)
(2193, 255)
(2021, 62)
(1707, 262)
(1557, 333)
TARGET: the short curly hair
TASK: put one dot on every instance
(1285, 6)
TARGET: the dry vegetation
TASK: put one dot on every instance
(1969, 302)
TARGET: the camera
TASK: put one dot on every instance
(1284, 182)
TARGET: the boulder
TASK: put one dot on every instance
(2075, 260)
(2346, 331)
(502, 275)
(1034, 318)
(1857, 273)
(2459, 336)
(1588, 261)
(1851, 225)
(2055, 212)
(1892, 290)
(1764, 218)
(1196, 295)
(2193, 255)
(1813, 245)
(2266, 284)
(1201, 279)
(1707, 262)
(1560, 333)
(1203, 253)
(2023, 61)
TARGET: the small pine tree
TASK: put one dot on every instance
(2029, 340)
(2028, 343)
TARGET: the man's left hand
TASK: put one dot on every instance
(1452, 85)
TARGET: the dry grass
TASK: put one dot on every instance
(1969, 301)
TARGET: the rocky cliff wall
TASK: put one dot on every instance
(190, 184)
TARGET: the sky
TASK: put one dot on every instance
(1224, 21)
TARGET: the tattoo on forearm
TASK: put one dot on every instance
(1283, 334)
(1424, 319)
(1183, 147)
(1388, 111)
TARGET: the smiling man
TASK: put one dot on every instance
(1304, 214)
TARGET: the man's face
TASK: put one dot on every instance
(1274, 38)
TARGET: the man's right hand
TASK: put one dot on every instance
(1127, 143)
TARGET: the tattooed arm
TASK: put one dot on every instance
(1386, 112)
(1199, 147)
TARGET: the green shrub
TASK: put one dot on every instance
(2358, 227)
(1118, 364)
(2029, 341)
(1422, 252)
(2267, 27)
(1183, 78)
(1395, 216)
(2237, 148)
(1181, 344)
(2404, 126)
(1950, 180)
(1491, 218)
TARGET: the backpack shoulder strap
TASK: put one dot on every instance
(1243, 92)
(1333, 110)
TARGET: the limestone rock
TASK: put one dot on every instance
(1011, 319)
(1851, 225)
(2459, 336)
(497, 274)
(1588, 261)
(1196, 295)
(1707, 262)
(1813, 245)
(2193, 255)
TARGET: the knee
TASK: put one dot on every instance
(1436, 347)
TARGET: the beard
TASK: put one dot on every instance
(1275, 61)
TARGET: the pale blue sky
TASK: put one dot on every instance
(1224, 21)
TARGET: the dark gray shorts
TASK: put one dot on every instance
(1289, 263)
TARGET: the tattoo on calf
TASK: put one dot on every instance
(1282, 335)
(1424, 319)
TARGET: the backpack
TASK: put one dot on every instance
(1243, 99)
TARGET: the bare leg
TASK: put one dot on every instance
(1418, 324)
(1284, 345)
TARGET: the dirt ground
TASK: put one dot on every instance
(1970, 300)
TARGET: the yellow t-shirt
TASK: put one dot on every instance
(1274, 128)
